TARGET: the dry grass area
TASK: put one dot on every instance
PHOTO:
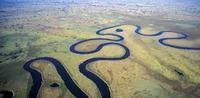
(151, 71)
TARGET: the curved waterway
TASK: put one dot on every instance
(182, 35)
(70, 84)
(37, 78)
(101, 84)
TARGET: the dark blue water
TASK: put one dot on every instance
(182, 35)
(102, 85)
(70, 84)
(37, 78)
(54, 85)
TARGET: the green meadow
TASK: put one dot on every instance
(151, 71)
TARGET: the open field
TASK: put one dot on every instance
(48, 28)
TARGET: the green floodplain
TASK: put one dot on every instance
(47, 28)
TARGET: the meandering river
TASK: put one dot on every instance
(100, 83)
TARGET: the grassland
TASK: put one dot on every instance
(152, 70)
